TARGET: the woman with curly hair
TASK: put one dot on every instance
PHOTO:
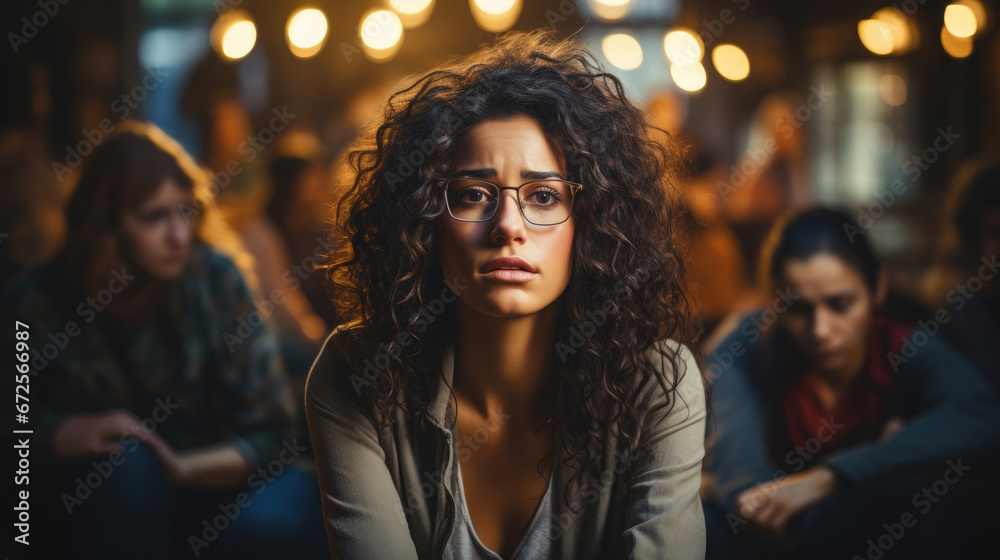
(514, 378)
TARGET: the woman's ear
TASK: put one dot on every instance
(881, 286)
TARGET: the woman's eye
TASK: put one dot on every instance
(154, 216)
(543, 197)
(841, 305)
(799, 308)
(474, 196)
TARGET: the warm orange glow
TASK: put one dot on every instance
(903, 33)
(413, 13)
(495, 15)
(957, 47)
(876, 36)
(979, 11)
(731, 62)
(892, 88)
(233, 35)
(689, 78)
(306, 32)
(960, 20)
(683, 47)
(622, 50)
(381, 35)
(610, 10)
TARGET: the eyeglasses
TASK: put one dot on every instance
(543, 203)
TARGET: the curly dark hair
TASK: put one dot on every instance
(627, 247)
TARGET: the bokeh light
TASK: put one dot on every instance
(689, 78)
(381, 34)
(233, 35)
(902, 30)
(495, 15)
(960, 20)
(892, 88)
(957, 47)
(610, 10)
(683, 47)
(413, 13)
(622, 50)
(306, 32)
(876, 36)
(979, 11)
(731, 62)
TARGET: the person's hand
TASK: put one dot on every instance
(892, 425)
(768, 507)
(175, 465)
(87, 435)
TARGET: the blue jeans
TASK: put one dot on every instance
(843, 526)
(135, 513)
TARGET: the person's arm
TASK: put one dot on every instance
(767, 508)
(211, 466)
(26, 309)
(957, 419)
(259, 406)
(364, 514)
(664, 514)
(737, 435)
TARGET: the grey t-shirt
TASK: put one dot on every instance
(465, 545)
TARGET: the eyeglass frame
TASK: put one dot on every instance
(574, 189)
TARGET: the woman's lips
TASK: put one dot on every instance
(509, 275)
(827, 353)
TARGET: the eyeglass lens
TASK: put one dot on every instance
(542, 202)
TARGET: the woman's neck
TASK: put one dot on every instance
(838, 382)
(504, 363)
(137, 302)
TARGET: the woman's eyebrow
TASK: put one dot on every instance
(484, 173)
(541, 175)
(487, 172)
(839, 295)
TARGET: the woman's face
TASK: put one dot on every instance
(507, 152)
(155, 236)
(832, 316)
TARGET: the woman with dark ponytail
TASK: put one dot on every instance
(833, 416)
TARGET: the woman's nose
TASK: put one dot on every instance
(508, 223)
(180, 231)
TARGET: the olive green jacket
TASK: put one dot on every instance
(391, 495)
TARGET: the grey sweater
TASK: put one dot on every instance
(393, 494)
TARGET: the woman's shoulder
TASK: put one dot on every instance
(215, 274)
(676, 380)
(36, 287)
(333, 373)
(672, 359)
(210, 263)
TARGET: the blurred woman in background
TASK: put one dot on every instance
(833, 417)
(149, 319)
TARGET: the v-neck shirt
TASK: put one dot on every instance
(465, 544)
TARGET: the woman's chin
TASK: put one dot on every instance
(509, 306)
